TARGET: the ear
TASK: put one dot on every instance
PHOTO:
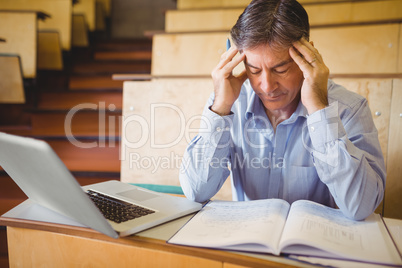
(312, 43)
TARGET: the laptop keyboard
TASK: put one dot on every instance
(117, 210)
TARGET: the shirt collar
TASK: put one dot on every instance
(301, 111)
(255, 106)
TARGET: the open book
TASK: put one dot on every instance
(304, 228)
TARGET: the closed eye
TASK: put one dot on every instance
(281, 71)
(255, 72)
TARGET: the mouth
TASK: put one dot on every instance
(274, 97)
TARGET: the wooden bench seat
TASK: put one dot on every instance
(19, 29)
(87, 8)
(50, 56)
(370, 49)
(60, 15)
(80, 31)
(207, 4)
(11, 79)
(222, 19)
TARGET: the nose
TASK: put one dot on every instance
(267, 82)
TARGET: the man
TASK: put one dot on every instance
(282, 128)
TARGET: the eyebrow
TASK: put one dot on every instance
(274, 67)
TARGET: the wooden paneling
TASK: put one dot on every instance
(187, 54)
(32, 248)
(201, 20)
(197, 4)
(378, 94)
(160, 118)
(359, 49)
(46, 244)
(223, 19)
(393, 189)
(369, 49)
(20, 31)
(354, 12)
(400, 51)
(376, 10)
(11, 80)
(50, 55)
(60, 12)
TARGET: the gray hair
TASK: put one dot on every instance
(278, 23)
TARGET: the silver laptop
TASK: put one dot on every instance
(123, 210)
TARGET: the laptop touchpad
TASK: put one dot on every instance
(137, 195)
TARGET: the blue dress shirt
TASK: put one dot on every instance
(332, 157)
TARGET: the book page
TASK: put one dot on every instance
(248, 226)
(329, 230)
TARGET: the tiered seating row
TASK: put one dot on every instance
(36, 32)
(364, 49)
(222, 19)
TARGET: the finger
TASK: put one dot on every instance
(299, 59)
(311, 46)
(227, 57)
(229, 67)
(307, 50)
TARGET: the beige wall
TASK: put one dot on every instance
(130, 18)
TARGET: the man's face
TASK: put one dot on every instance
(275, 77)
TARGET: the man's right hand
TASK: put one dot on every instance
(226, 85)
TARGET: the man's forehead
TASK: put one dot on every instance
(272, 63)
(267, 55)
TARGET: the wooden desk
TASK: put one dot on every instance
(37, 244)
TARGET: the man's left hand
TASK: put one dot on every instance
(314, 93)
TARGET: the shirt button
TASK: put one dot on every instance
(312, 129)
(218, 129)
(227, 128)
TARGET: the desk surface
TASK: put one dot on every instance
(154, 240)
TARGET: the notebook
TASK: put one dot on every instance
(44, 178)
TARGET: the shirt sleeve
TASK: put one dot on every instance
(348, 157)
(204, 167)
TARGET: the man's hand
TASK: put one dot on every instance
(226, 85)
(314, 92)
